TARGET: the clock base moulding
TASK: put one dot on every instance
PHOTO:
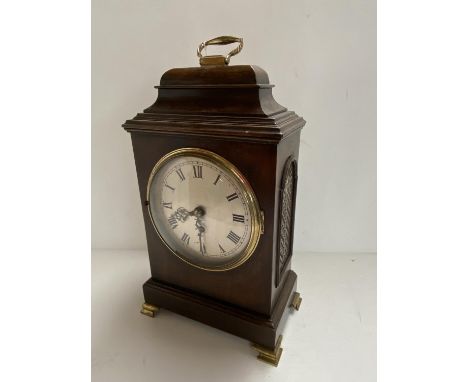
(263, 332)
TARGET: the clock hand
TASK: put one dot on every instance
(182, 213)
(202, 244)
(201, 234)
(198, 212)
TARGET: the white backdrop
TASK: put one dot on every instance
(321, 55)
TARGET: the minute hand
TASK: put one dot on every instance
(202, 245)
(201, 234)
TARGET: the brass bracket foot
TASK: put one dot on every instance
(149, 310)
(296, 301)
(271, 356)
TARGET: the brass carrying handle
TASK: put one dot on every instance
(217, 59)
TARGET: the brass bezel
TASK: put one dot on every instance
(247, 191)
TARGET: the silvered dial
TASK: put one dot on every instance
(202, 209)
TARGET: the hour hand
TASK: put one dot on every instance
(181, 214)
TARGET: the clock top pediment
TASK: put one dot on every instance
(216, 76)
(219, 102)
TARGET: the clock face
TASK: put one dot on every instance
(203, 209)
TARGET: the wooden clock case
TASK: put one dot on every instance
(229, 110)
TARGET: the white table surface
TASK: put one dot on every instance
(331, 338)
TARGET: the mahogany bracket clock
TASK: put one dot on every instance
(216, 160)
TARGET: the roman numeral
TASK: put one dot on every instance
(233, 237)
(217, 179)
(173, 222)
(167, 205)
(231, 197)
(181, 174)
(172, 188)
(221, 249)
(186, 239)
(238, 218)
(197, 172)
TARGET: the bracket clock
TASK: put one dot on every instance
(216, 160)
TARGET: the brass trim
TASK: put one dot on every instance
(296, 301)
(271, 356)
(149, 310)
(247, 192)
(218, 59)
(262, 228)
(212, 60)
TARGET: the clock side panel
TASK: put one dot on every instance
(247, 286)
(285, 205)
